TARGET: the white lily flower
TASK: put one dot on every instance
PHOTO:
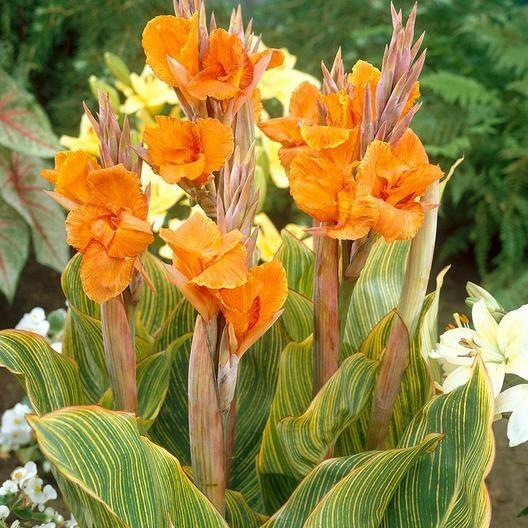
(502, 346)
(34, 321)
(515, 400)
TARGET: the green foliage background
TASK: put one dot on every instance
(475, 91)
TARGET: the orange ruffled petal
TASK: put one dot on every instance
(116, 188)
(227, 68)
(175, 37)
(205, 258)
(314, 185)
(180, 149)
(70, 175)
(253, 307)
(104, 277)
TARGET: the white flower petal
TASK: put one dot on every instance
(518, 425)
(449, 348)
(512, 335)
(496, 372)
(486, 328)
(458, 377)
(511, 398)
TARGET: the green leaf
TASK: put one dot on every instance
(239, 514)
(154, 306)
(292, 397)
(24, 126)
(350, 491)
(377, 291)
(171, 427)
(85, 341)
(22, 187)
(298, 261)
(14, 249)
(298, 316)
(119, 477)
(51, 380)
(307, 438)
(257, 380)
(448, 489)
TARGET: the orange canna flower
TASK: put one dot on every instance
(179, 149)
(303, 110)
(110, 230)
(252, 308)
(205, 261)
(396, 177)
(324, 187)
(228, 71)
(175, 37)
(70, 175)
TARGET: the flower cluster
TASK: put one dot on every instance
(201, 62)
(211, 270)
(15, 431)
(352, 162)
(25, 495)
(503, 347)
(107, 222)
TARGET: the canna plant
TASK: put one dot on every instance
(216, 391)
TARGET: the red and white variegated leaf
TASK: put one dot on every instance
(23, 189)
(24, 126)
(14, 245)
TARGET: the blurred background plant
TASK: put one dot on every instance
(475, 88)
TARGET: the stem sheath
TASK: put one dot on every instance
(205, 420)
(326, 311)
(118, 341)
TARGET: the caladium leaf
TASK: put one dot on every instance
(14, 243)
(22, 187)
(24, 126)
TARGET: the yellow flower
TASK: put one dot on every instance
(87, 140)
(269, 239)
(163, 195)
(146, 92)
(279, 83)
(276, 171)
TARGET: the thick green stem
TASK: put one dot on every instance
(396, 357)
(206, 431)
(118, 341)
(326, 311)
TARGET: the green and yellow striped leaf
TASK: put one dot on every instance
(307, 438)
(154, 306)
(350, 491)
(292, 397)
(118, 477)
(298, 261)
(257, 381)
(50, 379)
(377, 291)
(448, 489)
(298, 316)
(415, 392)
(171, 427)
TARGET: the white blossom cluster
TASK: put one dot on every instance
(25, 488)
(14, 429)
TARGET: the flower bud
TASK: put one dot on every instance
(477, 293)
(117, 67)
